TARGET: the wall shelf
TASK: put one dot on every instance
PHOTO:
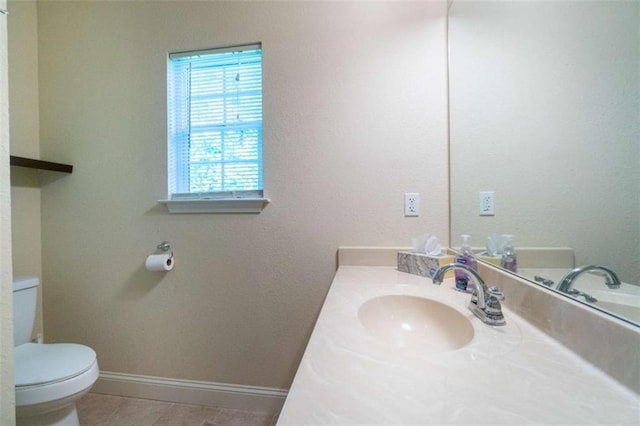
(39, 164)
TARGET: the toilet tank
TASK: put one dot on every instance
(25, 296)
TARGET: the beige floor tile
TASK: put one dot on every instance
(94, 408)
(109, 410)
(228, 417)
(187, 415)
(138, 412)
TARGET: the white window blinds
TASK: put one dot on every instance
(215, 123)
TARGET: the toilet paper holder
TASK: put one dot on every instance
(164, 246)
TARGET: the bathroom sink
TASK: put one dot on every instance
(627, 311)
(415, 323)
(625, 304)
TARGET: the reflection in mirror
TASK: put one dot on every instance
(545, 112)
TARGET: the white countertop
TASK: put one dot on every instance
(513, 374)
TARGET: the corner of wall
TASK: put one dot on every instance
(22, 53)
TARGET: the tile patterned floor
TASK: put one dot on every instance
(109, 410)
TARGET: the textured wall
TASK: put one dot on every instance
(24, 130)
(545, 95)
(355, 114)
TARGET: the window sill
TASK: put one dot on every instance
(224, 205)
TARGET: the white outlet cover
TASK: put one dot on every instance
(486, 201)
(411, 204)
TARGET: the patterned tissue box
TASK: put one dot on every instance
(422, 264)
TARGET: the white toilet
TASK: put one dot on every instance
(49, 378)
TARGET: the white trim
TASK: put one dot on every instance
(225, 395)
(238, 48)
(235, 205)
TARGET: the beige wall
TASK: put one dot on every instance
(355, 115)
(25, 142)
(6, 328)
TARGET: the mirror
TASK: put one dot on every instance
(545, 112)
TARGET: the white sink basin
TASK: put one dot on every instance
(416, 323)
(628, 310)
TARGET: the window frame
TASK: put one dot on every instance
(244, 201)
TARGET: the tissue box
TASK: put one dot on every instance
(422, 264)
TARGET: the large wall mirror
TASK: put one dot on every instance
(545, 112)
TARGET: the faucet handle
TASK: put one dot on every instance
(495, 292)
(491, 310)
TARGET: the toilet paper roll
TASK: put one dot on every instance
(159, 262)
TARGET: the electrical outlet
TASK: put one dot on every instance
(487, 207)
(412, 204)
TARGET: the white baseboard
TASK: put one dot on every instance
(250, 398)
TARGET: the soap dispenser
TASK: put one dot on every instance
(465, 257)
(509, 260)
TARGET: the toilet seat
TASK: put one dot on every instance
(51, 372)
(39, 364)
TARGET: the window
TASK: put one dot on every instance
(215, 127)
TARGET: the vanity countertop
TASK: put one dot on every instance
(513, 374)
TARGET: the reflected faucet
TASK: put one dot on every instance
(485, 302)
(566, 284)
(577, 293)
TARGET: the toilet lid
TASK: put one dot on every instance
(36, 364)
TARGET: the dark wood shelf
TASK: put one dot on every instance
(39, 164)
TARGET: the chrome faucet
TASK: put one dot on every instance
(485, 302)
(565, 285)
(577, 293)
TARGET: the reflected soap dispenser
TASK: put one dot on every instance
(465, 257)
(509, 259)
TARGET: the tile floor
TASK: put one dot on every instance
(110, 410)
